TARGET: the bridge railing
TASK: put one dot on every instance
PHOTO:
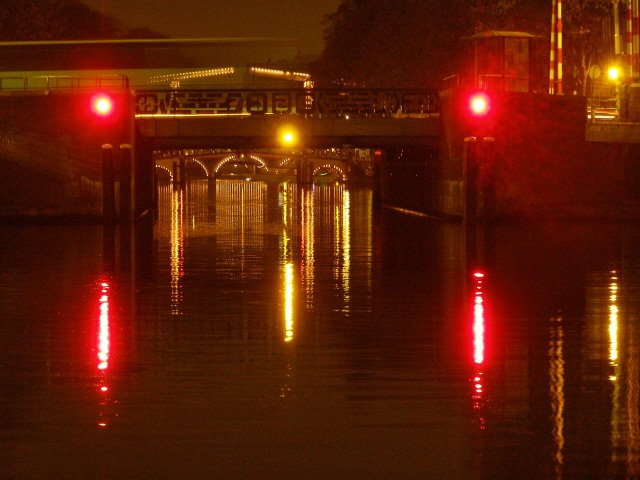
(308, 103)
(61, 83)
(603, 109)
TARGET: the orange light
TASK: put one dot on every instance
(479, 104)
(101, 104)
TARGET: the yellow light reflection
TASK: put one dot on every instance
(346, 247)
(307, 245)
(177, 249)
(613, 320)
(288, 302)
(617, 414)
(556, 391)
(240, 226)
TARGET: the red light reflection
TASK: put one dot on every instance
(104, 342)
(478, 319)
(104, 353)
(478, 392)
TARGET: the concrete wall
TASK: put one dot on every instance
(50, 162)
(544, 166)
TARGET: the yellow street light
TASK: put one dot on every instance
(614, 73)
(288, 136)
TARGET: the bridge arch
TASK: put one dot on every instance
(165, 170)
(239, 158)
(332, 167)
(202, 165)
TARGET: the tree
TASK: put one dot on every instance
(57, 20)
(587, 39)
(416, 42)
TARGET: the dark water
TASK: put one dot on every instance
(302, 334)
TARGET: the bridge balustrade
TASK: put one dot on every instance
(309, 103)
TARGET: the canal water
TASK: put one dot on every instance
(288, 332)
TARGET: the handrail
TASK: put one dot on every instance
(307, 102)
(45, 82)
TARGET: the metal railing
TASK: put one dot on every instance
(601, 109)
(51, 83)
(312, 103)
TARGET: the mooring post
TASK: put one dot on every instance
(125, 182)
(470, 178)
(108, 187)
(479, 178)
(487, 168)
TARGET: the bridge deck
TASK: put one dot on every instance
(262, 131)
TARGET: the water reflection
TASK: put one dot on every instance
(325, 327)
(556, 391)
(623, 360)
(177, 248)
(103, 347)
(307, 245)
(478, 395)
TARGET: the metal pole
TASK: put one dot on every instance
(183, 173)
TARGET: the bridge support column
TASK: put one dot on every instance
(273, 210)
(378, 166)
(183, 173)
(211, 196)
(305, 171)
(176, 175)
(108, 186)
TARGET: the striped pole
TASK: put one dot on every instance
(635, 39)
(616, 27)
(629, 39)
(552, 52)
(559, 53)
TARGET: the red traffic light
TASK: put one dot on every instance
(101, 105)
(479, 104)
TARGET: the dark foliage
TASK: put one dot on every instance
(59, 20)
(416, 43)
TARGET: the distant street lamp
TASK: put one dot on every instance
(288, 136)
(615, 76)
(614, 73)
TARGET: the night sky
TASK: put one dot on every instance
(301, 20)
